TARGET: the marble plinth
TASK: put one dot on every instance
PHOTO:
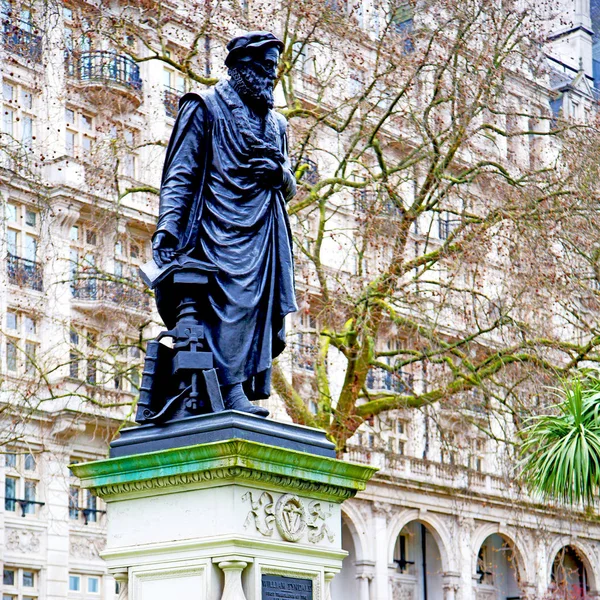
(229, 519)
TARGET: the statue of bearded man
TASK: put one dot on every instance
(225, 183)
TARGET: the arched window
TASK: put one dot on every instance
(569, 575)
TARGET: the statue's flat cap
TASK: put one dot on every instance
(246, 43)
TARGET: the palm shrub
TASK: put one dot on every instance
(561, 451)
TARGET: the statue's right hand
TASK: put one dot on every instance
(163, 248)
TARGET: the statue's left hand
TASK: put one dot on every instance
(266, 170)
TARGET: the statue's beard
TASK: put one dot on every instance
(255, 89)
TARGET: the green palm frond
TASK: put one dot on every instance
(561, 451)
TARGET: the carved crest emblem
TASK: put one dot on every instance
(290, 517)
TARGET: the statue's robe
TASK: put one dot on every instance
(219, 214)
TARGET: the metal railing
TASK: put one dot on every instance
(10, 505)
(308, 168)
(24, 272)
(19, 38)
(447, 226)
(103, 66)
(171, 101)
(122, 293)
(88, 514)
(367, 201)
(382, 379)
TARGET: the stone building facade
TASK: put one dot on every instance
(425, 529)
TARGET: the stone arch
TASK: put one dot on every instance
(354, 541)
(584, 552)
(357, 526)
(483, 532)
(434, 524)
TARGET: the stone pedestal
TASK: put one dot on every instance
(225, 519)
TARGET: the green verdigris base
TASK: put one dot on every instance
(221, 462)
(180, 518)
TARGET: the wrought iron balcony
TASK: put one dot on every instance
(171, 101)
(102, 71)
(19, 38)
(368, 203)
(379, 379)
(308, 168)
(24, 272)
(27, 506)
(119, 293)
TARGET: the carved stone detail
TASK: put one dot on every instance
(87, 547)
(290, 517)
(262, 513)
(402, 590)
(22, 540)
(284, 481)
(317, 525)
(383, 509)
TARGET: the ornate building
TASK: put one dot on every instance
(83, 133)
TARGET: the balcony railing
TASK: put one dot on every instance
(24, 272)
(433, 472)
(447, 227)
(308, 168)
(367, 202)
(19, 37)
(90, 515)
(105, 67)
(379, 379)
(121, 293)
(27, 506)
(171, 101)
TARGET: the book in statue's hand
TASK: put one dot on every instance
(152, 274)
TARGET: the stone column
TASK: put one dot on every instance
(450, 585)
(232, 588)
(364, 581)
(329, 575)
(466, 590)
(122, 578)
(381, 514)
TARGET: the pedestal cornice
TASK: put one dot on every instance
(224, 463)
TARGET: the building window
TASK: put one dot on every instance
(84, 506)
(125, 356)
(129, 160)
(19, 583)
(476, 460)
(21, 343)
(80, 134)
(402, 23)
(84, 586)
(83, 261)
(83, 351)
(19, 33)
(21, 483)
(447, 224)
(401, 554)
(22, 237)
(173, 89)
(305, 346)
(17, 121)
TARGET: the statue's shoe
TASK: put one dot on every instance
(236, 399)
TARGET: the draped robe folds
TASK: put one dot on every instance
(215, 210)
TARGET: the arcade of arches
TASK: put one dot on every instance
(418, 555)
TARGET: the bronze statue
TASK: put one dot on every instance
(222, 253)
